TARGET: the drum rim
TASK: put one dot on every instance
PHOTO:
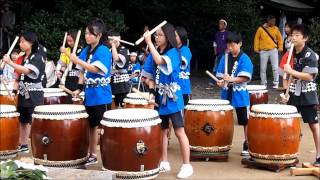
(209, 102)
(44, 90)
(65, 113)
(262, 87)
(138, 120)
(11, 109)
(58, 113)
(113, 118)
(135, 98)
(267, 109)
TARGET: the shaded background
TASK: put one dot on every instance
(51, 18)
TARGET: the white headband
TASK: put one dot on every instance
(133, 54)
(224, 21)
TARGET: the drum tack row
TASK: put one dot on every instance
(130, 140)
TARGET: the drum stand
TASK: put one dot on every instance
(213, 156)
(250, 163)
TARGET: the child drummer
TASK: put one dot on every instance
(302, 88)
(240, 70)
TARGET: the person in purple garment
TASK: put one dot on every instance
(219, 44)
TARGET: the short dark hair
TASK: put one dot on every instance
(302, 28)
(234, 37)
(182, 32)
(96, 26)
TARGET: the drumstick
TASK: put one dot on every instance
(75, 47)
(66, 89)
(151, 32)
(64, 39)
(122, 41)
(288, 86)
(288, 60)
(144, 96)
(286, 94)
(7, 89)
(10, 50)
(212, 76)
(226, 68)
(74, 50)
(139, 82)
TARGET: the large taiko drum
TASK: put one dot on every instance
(274, 133)
(258, 94)
(209, 127)
(9, 131)
(54, 96)
(131, 144)
(60, 135)
(134, 100)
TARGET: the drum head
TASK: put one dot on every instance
(131, 118)
(258, 88)
(274, 110)
(209, 105)
(134, 98)
(8, 111)
(49, 92)
(60, 112)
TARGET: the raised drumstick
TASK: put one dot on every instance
(74, 50)
(151, 32)
(122, 41)
(212, 76)
(288, 60)
(144, 96)
(10, 50)
(75, 47)
(64, 39)
(226, 68)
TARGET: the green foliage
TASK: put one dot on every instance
(200, 19)
(315, 34)
(11, 171)
(315, 41)
(66, 15)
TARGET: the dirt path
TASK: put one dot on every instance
(232, 169)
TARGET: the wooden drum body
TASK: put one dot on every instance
(131, 143)
(54, 96)
(209, 127)
(274, 133)
(9, 131)
(60, 135)
(258, 94)
(134, 100)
